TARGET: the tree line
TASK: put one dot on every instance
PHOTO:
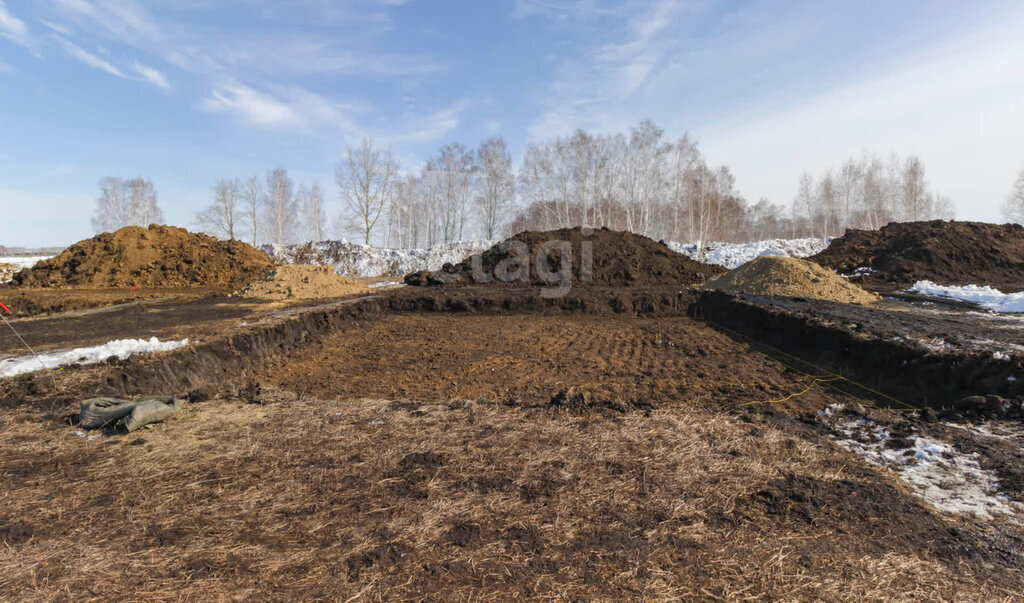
(637, 181)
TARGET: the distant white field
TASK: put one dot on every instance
(23, 261)
(355, 260)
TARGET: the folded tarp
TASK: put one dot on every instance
(126, 415)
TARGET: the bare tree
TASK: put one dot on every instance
(226, 213)
(281, 206)
(253, 200)
(314, 210)
(915, 191)
(365, 182)
(497, 186)
(1013, 208)
(126, 203)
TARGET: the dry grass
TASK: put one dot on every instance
(372, 500)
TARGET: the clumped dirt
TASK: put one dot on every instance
(158, 256)
(302, 281)
(598, 257)
(947, 253)
(790, 277)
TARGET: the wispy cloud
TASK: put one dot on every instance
(151, 75)
(13, 28)
(255, 107)
(142, 73)
(96, 62)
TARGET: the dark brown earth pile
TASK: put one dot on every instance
(158, 256)
(578, 256)
(947, 253)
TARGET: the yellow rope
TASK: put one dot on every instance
(820, 379)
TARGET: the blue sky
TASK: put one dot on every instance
(188, 91)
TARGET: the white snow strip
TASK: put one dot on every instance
(10, 265)
(947, 479)
(122, 348)
(734, 255)
(23, 261)
(986, 297)
(354, 260)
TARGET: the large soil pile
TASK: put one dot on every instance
(158, 256)
(599, 257)
(790, 277)
(301, 281)
(947, 253)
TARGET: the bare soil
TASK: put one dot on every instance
(158, 256)
(947, 253)
(790, 277)
(301, 281)
(616, 362)
(601, 257)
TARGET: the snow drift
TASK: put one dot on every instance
(122, 348)
(355, 260)
(986, 297)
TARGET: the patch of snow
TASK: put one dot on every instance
(385, 284)
(122, 348)
(355, 260)
(949, 480)
(734, 255)
(862, 271)
(986, 297)
(23, 261)
(19, 262)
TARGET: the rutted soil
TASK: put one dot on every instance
(528, 359)
(947, 253)
(158, 256)
(365, 499)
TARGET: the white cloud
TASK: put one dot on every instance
(151, 75)
(90, 59)
(254, 107)
(956, 105)
(57, 27)
(13, 28)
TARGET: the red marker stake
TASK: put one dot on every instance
(6, 308)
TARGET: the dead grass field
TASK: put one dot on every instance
(301, 498)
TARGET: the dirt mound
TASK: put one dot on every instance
(790, 277)
(947, 253)
(158, 256)
(302, 281)
(576, 256)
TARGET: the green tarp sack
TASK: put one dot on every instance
(126, 415)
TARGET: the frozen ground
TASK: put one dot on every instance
(122, 348)
(355, 260)
(733, 255)
(944, 477)
(986, 297)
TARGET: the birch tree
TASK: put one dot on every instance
(281, 210)
(366, 180)
(126, 203)
(253, 200)
(223, 217)
(1013, 208)
(497, 185)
